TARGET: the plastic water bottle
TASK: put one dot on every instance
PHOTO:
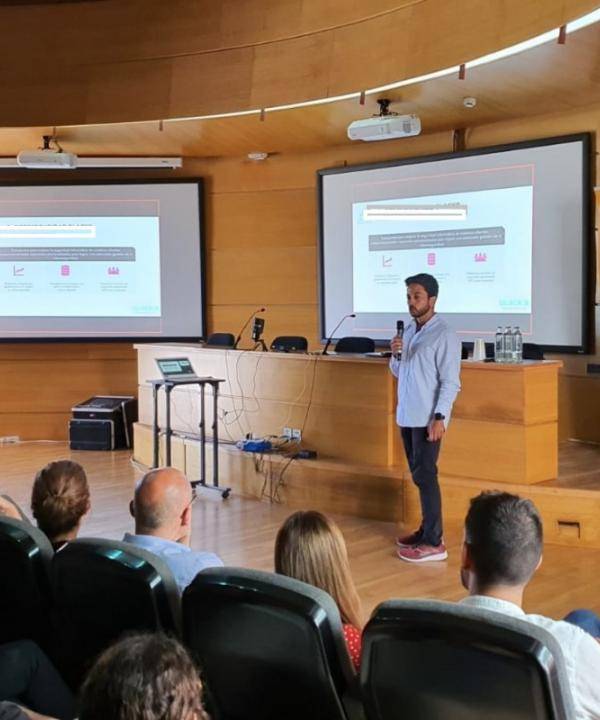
(499, 345)
(518, 345)
(508, 345)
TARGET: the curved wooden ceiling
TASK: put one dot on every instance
(124, 60)
(550, 78)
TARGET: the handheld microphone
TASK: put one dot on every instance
(245, 325)
(330, 338)
(400, 334)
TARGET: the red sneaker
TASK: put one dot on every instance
(407, 541)
(423, 553)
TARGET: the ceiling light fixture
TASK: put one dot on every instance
(257, 156)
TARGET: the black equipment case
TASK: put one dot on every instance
(103, 422)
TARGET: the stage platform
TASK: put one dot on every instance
(503, 435)
(570, 504)
(242, 531)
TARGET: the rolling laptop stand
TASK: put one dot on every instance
(168, 386)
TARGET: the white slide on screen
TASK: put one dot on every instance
(470, 243)
(114, 260)
(93, 267)
(505, 231)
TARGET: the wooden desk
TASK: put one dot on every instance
(504, 426)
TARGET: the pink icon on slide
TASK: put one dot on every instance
(431, 258)
(113, 270)
(65, 270)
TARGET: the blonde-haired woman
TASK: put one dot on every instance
(310, 547)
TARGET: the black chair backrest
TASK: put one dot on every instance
(432, 660)
(102, 589)
(531, 351)
(25, 557)
(16, 507)
(226, 340)
(355, 345)
(270, 647)
(289, 343)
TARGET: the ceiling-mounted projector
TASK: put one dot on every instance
(49, 157)
(52, 157)
(46, 160)
(385, 126)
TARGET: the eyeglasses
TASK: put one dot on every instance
(194, 497)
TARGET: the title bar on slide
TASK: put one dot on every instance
(67, 254)
(472, 237)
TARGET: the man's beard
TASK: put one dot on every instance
(418, 313)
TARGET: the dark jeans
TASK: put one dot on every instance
(586, 620)
(422, 458)
(29, 678)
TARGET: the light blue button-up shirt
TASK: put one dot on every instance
(184, 563)
(428, 373)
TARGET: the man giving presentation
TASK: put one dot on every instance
(426, 361)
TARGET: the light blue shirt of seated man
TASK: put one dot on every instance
(183, 562)
(162, 508)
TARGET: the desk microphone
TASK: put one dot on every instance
(245, 325)
(400, 334)
(257, 328)
(330, 338)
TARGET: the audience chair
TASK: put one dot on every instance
(355, 345)
(102, 589)
(531, 351)
(431, 660)
(289, 343)
(25, 556)
(224, 340)
(270, 647)
(16, 506)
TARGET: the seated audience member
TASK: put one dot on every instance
(60, 499)
(143, 677)
(28, 679)
(310, 547)
(501, 552)
(162, 508)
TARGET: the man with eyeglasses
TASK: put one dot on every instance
(162, 508)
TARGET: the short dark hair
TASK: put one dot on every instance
(427, 281)
(504, 535)
(148, 676)
(60, 497)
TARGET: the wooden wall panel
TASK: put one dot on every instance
(40, 383)
(579, 408)
(150, 59)
(278, 276)
(285, 218)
